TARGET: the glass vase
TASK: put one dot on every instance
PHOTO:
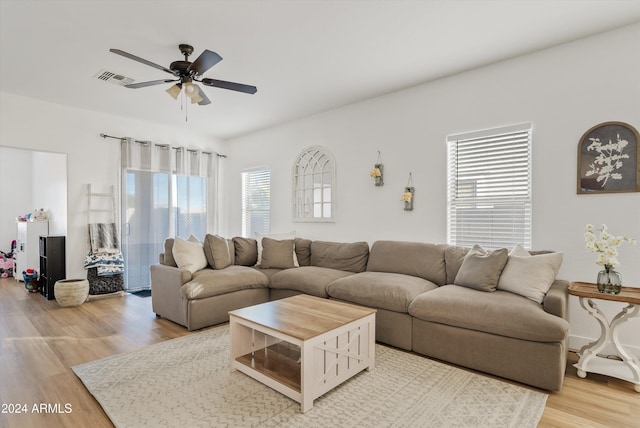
(609, 281)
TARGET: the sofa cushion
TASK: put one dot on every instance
(303, 251)
(189, 254)
(481, 269)
(268, 272)
(391, 291)
(307, 279)
(246, 251)
(453, 258)
(220, 252)
(214, 282)
(277, 236)
(529, 276)
(350, 257)
(500, 312)
(168, 253)
(410, 258)
(277, 254)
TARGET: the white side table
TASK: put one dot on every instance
(629, 368)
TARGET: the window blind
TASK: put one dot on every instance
(489, 188)
(256, 202)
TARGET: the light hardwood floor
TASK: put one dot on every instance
(40, 342)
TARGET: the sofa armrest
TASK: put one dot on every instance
(166, 296)
(162, 274)
(557, 298)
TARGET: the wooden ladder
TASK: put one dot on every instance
(97, 205)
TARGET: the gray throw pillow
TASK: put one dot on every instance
(246, 250)
(220, 252)
(168, 253)
(277, 254)
(481, 270)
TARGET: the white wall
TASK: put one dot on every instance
(49, 189)
(562, 91)
(15, 185)
(30, 180)
(37, 125)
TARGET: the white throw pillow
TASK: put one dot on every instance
(278, 237)
(520, 251)
(189, 254)
(529, 276)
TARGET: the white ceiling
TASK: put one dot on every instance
(304, 56)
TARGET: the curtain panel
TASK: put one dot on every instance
(166, 191)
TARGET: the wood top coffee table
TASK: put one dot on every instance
(302, 346)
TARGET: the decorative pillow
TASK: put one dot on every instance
(303, 251)
(168, 253)
(219, 252)
(246, 251)
(277, 254)
(519, 251)
(277, 236)
(189, 254)
(530, 276)
(481, 269)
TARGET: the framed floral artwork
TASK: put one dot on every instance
(609, 159)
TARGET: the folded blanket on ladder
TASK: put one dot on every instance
(103, 238)
(107, 264)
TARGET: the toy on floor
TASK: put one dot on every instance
(31, 280)
(6, 264)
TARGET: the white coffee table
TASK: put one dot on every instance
(302, 346)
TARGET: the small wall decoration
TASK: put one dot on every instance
(377, 173)
(407, 196)
(609, 159)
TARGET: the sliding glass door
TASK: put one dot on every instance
(164, 195)
(146, 224)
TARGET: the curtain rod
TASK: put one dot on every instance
(164, 145)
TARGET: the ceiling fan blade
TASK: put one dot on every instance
(247, 89)
(205, 61)
(205, 99)
(142, 60)
(150, 83)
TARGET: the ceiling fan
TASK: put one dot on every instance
(186, 73)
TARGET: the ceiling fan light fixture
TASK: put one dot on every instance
(174, 91)
(195, 99)
(191, 90)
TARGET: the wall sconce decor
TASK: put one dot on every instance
(377, 173)
(407, 196)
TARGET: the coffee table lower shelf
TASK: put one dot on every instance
(279, 362)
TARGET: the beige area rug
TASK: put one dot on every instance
(186, 382)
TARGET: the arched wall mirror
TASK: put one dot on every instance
(314, 186)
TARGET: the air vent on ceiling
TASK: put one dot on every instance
(115, 78)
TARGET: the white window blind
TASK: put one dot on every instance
(489, 188)
(256, 202)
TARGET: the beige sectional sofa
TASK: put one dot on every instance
(415, 288)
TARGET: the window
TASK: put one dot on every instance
(489, 187)
(314, 186)
(256, 201)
